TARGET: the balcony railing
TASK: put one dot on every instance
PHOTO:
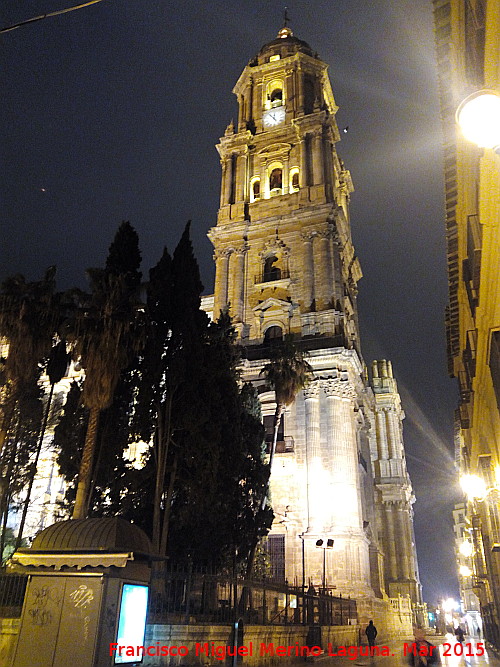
(284, 446)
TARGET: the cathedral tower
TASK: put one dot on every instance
(285, 263)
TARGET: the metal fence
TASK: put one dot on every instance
(180, 596)
(12, 590)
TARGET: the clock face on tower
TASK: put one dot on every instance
(273, 117)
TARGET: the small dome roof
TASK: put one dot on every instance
(111, 534)
(284, 45)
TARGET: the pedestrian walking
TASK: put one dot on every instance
(371, 633)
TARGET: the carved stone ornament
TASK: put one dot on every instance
(312, 390)
(222, 253)
(339, 388)
(273, 246)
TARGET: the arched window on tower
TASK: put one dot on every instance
(294, 179)
(276, 181)
(276, 98)
(273, 335)
(255, 189)
(274, 94)
(271, 271)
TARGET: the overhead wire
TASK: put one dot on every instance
(44, 16)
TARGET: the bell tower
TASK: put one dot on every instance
(285, 263)
(283, 249)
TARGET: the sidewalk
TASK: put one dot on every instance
(453, 654)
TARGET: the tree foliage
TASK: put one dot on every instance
(158, 376)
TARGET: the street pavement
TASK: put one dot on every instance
(453, 654)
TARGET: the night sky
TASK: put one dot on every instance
(112, 112)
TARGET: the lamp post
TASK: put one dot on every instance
(328, 545)
(478, 116)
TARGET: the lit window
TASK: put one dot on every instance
(276, 181)
(277, 97)
(275, 57)
(294, 179)
(255, 190)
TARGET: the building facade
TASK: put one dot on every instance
(468, 56)
(285, 263)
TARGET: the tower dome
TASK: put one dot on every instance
(283, 46)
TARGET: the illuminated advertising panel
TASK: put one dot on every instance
(131, 622)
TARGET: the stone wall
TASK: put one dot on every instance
(9, 629)
(253, 637)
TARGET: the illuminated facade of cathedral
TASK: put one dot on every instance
(285, 263)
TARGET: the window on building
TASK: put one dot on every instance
(275, 180)
(273, 335)
(271, 271)
(309, 94)
(274, 94)
(255, 190)
(294, 179)
(275, 547)
(269, 428)
(276, 97)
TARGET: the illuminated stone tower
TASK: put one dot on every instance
(285, 263)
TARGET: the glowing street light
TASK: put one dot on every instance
(465, 571)
(466, 549)
(449, 605)
(473, 486)
(479, 119)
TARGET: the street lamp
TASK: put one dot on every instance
(479, 119)
(466, 549)
(474, 486)
(328, 545)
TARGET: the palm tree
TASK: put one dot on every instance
(29, 315)
(57, 367)
(287, 372)
(106, 330)
(28, 321)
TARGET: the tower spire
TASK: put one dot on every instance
(285, 30)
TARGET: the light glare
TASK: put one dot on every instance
(479, 118)
(473, 486)
(466, 549)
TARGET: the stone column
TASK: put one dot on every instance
(393, 433)
(223, 183)
(241, 177)
(317, 157)
(303, 163)
(300, 90)
(383, 446)
(249, 96)
(308, 272)
(326, 268)
(228, 181)
(391, 537)
(238, 271)
(313, 456)
(403, 542)
(345, 509)
(221, 279)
